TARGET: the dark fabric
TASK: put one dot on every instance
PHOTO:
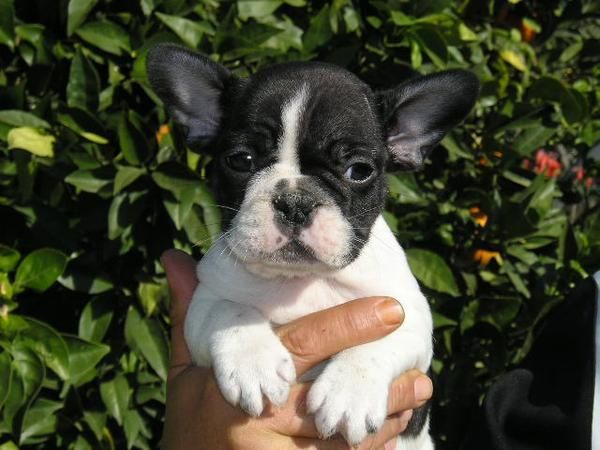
(547, 403)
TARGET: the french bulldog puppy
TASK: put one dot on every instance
(300, 153)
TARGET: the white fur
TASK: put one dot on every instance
(235, 336)
(291, 117)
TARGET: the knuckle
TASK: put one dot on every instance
(299, 344)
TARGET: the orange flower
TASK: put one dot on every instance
(528, 30)
(479, 216)
(498, 154)
(162, 132)
(484, 257)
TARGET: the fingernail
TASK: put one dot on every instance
(423, 389)
(390, 312)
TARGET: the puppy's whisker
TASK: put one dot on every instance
(364, 212)
(216, 237)
(224, 207)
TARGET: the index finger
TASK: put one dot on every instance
(181, 277)
(318, 336)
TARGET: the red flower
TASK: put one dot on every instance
(579, 172)
(547, 163)
(589, 182)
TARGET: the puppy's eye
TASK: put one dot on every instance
(359, 172)
(241, 161)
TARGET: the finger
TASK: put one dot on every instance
(409, 391)
(318, 444)
(315, 337)
(392, 427)
(181, 277)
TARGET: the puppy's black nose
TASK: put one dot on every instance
(295, 208)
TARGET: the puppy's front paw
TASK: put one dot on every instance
(248, 365)
(349, 399)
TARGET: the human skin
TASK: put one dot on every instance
(198, 417)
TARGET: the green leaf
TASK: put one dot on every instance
(77, 13)
(83, 123)
(151, 296)
(499, 311)
(401, 19)
(455, 150)
(431, 270)
(146, 336)
(257, 8)
(124, 212)
(96, 421)
(532, 139)
(83, 85)
(28, 367)
(132, 142)
(125, 176)
(189, 31)
(434, 44)
(27, 375)
(14, 401)
(572, 103)
(79, 281)
(95, 319)
(571, 51)
(465, 33)
(32, 140)
(441, 321)
(116, 395)
(9, 257)
(514, 58)
(92, 181)
(18, 118)
(5, 377)
(516, 279)
(319, 30)
(105, 35)
(7, 22)
(40, 269)
(404, 188)
(40, 419)
(175, 179)
(83, 357)
(45, 341)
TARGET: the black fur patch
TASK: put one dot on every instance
(418, 420)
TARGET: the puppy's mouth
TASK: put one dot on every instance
(296, 252)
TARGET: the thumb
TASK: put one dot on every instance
(181, 277)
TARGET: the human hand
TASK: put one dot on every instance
(198, 417)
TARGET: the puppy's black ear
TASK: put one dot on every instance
(417, 114)
(191, 86)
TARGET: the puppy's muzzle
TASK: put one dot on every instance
(294, 209)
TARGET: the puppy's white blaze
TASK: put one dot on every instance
(291, 116)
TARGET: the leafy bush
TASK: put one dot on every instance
(96, 183)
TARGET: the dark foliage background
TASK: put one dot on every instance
(95, 183)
